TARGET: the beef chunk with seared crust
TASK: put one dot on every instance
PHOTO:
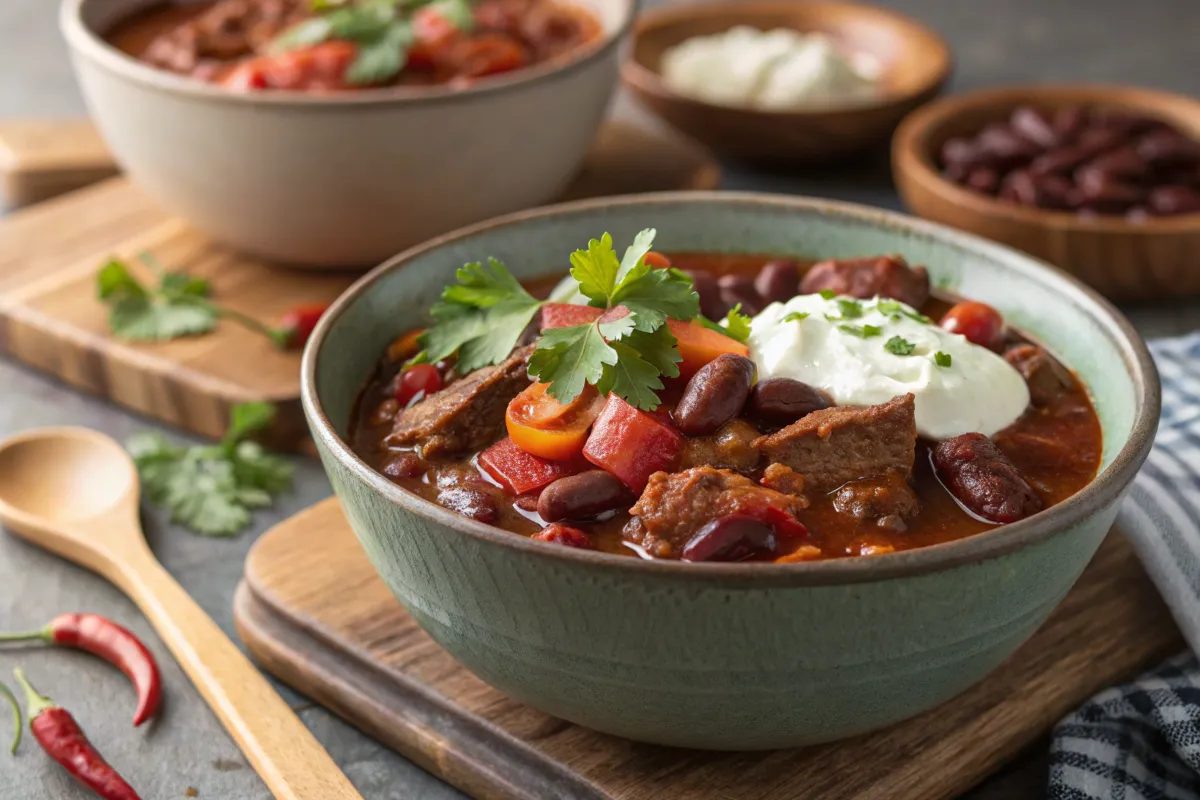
(466, 415)
(885, 276)
(835, 445)
(1047, 380)
(676, 505)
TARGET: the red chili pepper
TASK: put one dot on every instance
(61, 737)
(106, 639)
(297, 325)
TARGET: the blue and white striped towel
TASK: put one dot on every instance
(1142, 741)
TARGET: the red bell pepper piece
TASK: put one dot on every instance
(631, 444)
(566, 315)
(520, 472)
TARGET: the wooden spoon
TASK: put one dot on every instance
(75, 492)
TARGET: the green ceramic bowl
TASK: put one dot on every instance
(729, 656)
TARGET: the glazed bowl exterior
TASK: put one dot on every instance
(728, 656)
(346, 179)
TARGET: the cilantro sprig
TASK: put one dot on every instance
(736, 327)
(177, 305)
(382, 29)
(627, 352)
(212, 489)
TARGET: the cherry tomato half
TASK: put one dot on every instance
(978, 322)
(657, 260)
(416, 383)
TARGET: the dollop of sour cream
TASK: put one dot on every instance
(870, 351)
(773, 70)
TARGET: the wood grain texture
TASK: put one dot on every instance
(40, 159)
(314, 613)
(1126, 261)
(915, 62)
(50, 318)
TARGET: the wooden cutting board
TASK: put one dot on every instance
(313, 612)
(49, 254)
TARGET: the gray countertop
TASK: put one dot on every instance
(1152, 42)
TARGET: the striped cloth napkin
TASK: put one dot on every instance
(1142, 741)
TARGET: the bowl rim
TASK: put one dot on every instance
(649, 81)
(90, 44)
(1104, 489)
(912, 152)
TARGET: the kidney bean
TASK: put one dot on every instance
(737, 289)
(404, 465)
(566, 536)
(777, 281)
(1069, 122)
(1170, 200)
(1033, 126)
(1110, 196)
(1123, 122)
(983, 179)
(1168, 148)
(1098, 140)
(732, 538)
(983, 479)
(1044, 191)
(583, 496)
(1124, 163)
(385, 413)
(474, 503)
(782, 401)
(1007, 148)
(715, 394)
(963, 154)
(711, 304)
(1062, 160)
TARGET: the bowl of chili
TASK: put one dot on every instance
(689, 650)
(329, 141)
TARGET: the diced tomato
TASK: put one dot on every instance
(546, 428)
(434, 35)
(417, 382)
(518, 471)
(565, 535)
(631, 444)
(566, 315)
(657, 260)
(321, 66)
(699, 345)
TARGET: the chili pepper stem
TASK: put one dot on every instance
(16, 709)
(279, 337)
(34, 702)
(44, 635)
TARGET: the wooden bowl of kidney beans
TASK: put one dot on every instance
(1102, 181)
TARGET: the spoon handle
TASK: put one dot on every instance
(281, 749)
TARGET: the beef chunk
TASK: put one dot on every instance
(1047, 380)
(784, 479)
(983, 479)
(882, 497)
(835, 445)
(466, 415)
(675, 506)
(731, 447)
(885, 276)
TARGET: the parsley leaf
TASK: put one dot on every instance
(796, 316)
(737, 324)
(942, 359)
(595, 269)
(658, 349)
(213, 488)
(828, 294)
(632, 377)
(862, 332)
(656, 295)
(176, 307)
(570, 358)
(898, 346)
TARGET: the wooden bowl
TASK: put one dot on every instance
(915, 61)
(1126, 261)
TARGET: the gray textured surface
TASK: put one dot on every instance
(1152, 42)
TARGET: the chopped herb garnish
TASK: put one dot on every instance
(213, 488)
(894, 307)
(850, 309)
(941, 359)
(899, 347)
(828, 294)
(382, 29)
(862, 332)
(737, 324)
(796, 316)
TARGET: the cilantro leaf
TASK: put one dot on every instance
(850, 309)
(632, 377)
(827, 294)
(660, 349)
(615, 329)
(635, 255)
(481, 286)
(656, 295)
(596, 270)
(382, 57)
(211, 489)
(861, 331)
(893, 307)
(898, 346)
(505, 323)
(796, 316)
(737, 324)
(570, 358)
(942, 359)
(176, 308)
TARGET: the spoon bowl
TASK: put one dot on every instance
(75, 492)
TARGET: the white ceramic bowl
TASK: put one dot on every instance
(344, 180)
